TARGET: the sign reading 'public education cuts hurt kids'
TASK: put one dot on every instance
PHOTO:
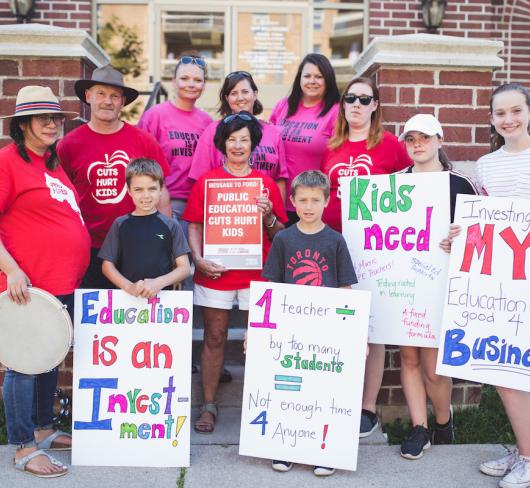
(132, 379)
(485, 334)
(304, 372)
(393, 225)
(233, 232)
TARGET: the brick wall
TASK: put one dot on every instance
(76, 14)
(504, 20)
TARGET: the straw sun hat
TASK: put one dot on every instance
(35, 100)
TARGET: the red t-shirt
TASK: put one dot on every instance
(96, 165)
(40, 223)
(234, 279)
(353, 159)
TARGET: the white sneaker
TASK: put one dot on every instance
(500, 467)
(519, 476)
(323, 471)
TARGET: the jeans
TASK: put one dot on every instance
(28, 399)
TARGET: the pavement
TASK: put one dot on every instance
(215, 462)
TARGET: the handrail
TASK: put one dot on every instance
(155, 94)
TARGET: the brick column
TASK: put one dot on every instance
(35, 54)
(451, 78)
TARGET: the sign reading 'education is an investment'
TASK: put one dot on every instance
(304, 374)
(486, 324)
(393, 225)
(233, 232)
(132, 379)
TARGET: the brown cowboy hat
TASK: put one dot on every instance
(106, 75)
(35, 100)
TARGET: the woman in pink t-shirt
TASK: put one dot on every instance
(240, 93)
(360, 146)
(307, 117)
(177, 126)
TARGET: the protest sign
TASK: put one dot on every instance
(132, 379)
(393, 225)
(304, 374)
(233, 232)
(485, 335)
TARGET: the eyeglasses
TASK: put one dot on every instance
(229, 118)
(45, 119)
(201, 63)
(363, 99)
(238, 73)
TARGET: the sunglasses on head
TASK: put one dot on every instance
(229, 118)
(201, 63)
(363, 99)
(238, 73)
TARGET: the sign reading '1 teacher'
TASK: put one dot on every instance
(393, 225)
(486, 325)
(304, 374)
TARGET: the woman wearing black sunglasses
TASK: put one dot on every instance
(240, 93)
(360, 146)
(216, 288)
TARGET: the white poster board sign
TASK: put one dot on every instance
(132, 379)
(304, 374)
(393, 225)
(485, 334)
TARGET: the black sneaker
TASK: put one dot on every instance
(369, 423)
(444, 434)
(281, 466)
(413, 447)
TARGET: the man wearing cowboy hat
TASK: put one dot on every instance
(96, 155)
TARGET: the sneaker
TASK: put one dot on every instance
(281, 466)
(226, 376)
(444, 434)
(500, 467)
(369, 423)
(519, 476)
(413, 447)
(323, 471)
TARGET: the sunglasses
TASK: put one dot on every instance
(363, 99)
(201, 63)
(45, 119)
(229, 118)
(238, 73)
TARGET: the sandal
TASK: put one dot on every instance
(21, 465)
(203, 426)
(51, 443)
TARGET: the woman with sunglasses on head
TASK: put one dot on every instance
(240, 93)
(306, 117)
(44, 243)
(360, 146)
(236, 136)
(177, 126)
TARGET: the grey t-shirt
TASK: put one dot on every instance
(320, 259)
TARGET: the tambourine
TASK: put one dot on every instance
(36, 337)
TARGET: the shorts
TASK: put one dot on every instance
(224, 299)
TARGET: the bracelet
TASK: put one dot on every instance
(273, 223)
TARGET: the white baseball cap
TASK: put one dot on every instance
(426, 123)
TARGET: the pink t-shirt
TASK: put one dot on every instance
(268, 157)
(305, 136)
(177, 131)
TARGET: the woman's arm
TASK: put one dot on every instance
(17, 280)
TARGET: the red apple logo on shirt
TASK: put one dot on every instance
(107, 178)
(363, 161)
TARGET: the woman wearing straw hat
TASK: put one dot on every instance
(44, 243)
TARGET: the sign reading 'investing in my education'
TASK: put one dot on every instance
(304, 374)
(393, 225)
(132, 379)
(486, 324)
(232, 223)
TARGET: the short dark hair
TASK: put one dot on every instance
(144, 167)
(231, 80)
(331, 95)
(311, 179)
(224, 130)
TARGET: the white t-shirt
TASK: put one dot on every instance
(504, 174)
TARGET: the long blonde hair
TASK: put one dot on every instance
(342, 130)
